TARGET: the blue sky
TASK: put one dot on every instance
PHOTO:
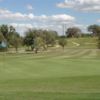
(49, 14)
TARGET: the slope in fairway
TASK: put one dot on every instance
(69, 75)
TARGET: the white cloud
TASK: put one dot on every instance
(83, 5)
(24, 21)
(98, 20)
(21, 28)
(29, 7)
(54, 22)
(62, 17)
(22, 25)
(8, 15)
(55, 18)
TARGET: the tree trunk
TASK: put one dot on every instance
(16, 49)
(36, 50)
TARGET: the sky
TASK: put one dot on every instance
(49, 14)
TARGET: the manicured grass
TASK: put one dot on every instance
(72, 74)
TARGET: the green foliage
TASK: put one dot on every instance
(3, 43)
(38, 43)
(29, 39)
(62, 42)
(4, 29)
(1, 37)
(35, 38)
(73, 32)
(95, 29)
(15, 40)
(9, 34)
(49, 37)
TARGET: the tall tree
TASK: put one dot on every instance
(7, 31)
(62, 42)
(15, 40)
(38, 43)
(49, 37)
(4, 29)
(29, 39)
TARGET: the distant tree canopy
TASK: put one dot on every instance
(39, 38)
(29, 38)
(7, 31)
(73, 32)
(49, 37)
(94, 29)
(36, 39)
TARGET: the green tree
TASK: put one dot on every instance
(3, 45)
(1, 37)
(73, 32)
(12, 29)
(94, 29)
(15, 40)
(62, 42)
(29, 39)
(49, 37)
(38, 44)
(7, 31)
(98, 34)
(4, 29)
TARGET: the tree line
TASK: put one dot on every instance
(36, 39)
(39, 39)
